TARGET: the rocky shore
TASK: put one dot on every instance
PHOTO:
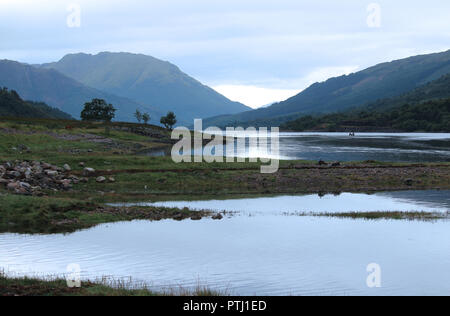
(35, 177)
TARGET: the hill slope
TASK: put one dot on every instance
(426, 108)
(12, 105)
(341, 93)
(62, 92)
(148, 81)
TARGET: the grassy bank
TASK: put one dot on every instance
(143, 178)
(43, 215)
(57, 287)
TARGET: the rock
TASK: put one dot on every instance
(81, 164)
(66, 184)
(3, 182)
(178, 217)
(51, 173)
(409, 182)
(196, 217)
(13, 186)
(101, 180)
(217, 217)
(46, 166)
(13, 174)
(22, 191)
(25, 185)
(66, 167)
(111, 180)
(336, 164)
(88, 172)
(322, 163)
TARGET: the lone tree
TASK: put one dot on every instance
(146, 118)
(98, 111)
(138, 115)
(169, 120)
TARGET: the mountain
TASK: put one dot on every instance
(338, 94)
(426, 108)
(437, 89)
(12, 105)
(428, 116)
(148, 81)
(62, 92)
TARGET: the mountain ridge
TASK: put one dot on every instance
(12, 105)
(59, 91)
(147, 80)
(357, 89)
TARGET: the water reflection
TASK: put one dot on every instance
(426, 201)
(257, 255)
(395, 147)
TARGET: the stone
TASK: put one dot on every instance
(46, 166)
(81, 164)
(101, 180)
(25, 185)
(111, 179)
(66, 167)
(409, 182)
(217, 217)
(66, 183)
(51, 173)
(13, 186)
(88, 172)
(322, 163)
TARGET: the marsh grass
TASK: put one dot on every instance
(12, 285)
(382, 215)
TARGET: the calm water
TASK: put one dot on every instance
(262, 251)
(390, 147)
(403, 201)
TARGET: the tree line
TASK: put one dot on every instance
(429, 116)
(98, 110)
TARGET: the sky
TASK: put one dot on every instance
(253, 51)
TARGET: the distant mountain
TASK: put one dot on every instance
(62, 92)
(426, 108)
(436, 89)
(148, 81)
(338, 94)
(12, 105)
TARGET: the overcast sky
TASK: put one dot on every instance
(253, 51)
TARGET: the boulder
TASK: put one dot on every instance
(88, 172)
(322, 163)
(101, 180)
(51, 173)
(13, 186)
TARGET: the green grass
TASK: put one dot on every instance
(25, 286)
(143, 178)
(44, 215)
(424, 216)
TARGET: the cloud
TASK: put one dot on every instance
(277, 46)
